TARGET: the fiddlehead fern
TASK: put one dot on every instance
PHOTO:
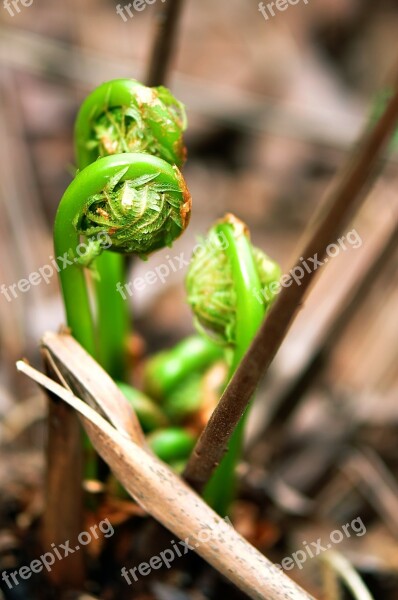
(125, 116)
(141, 214)
(93, 206)
(213, 291)
(222, 285)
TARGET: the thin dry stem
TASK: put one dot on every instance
(164, 43)
(164, 495)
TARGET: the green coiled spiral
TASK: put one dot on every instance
(140, 215)
(212, 290)
(124, 115)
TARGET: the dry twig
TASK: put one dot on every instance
(164, 42)
(160, 491)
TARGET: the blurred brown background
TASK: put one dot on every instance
(274, 107)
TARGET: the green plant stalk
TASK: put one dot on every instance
(73, 282)
(112, 333)
(90, 181)
(220, 490)
(113, 321)
(110, 269)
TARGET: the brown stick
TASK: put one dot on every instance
(164, 43)
(63, 515)
(165, 496)
(343, 200)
